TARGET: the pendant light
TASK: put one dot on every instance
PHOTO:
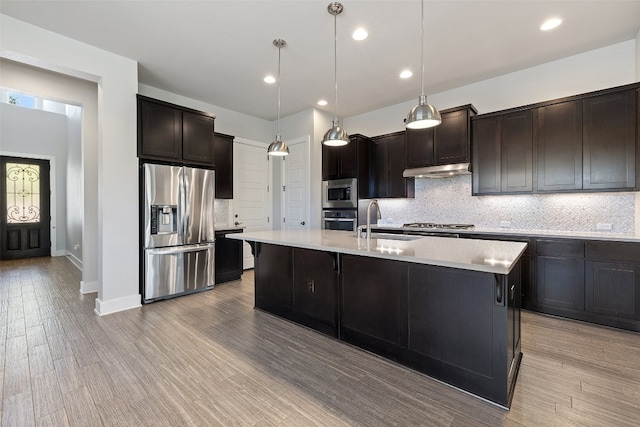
(336, 136)
(423, 115)
(278, 147)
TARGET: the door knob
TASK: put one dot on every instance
(302, 223)
(238, 222)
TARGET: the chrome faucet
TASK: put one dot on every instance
(378, 216)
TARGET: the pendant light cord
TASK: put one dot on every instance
(422, 45)
(278, 122)
(335, 62)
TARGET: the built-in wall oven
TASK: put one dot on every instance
(340, 194)
(345, 220)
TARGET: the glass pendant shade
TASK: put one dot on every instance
(278, 147)
(336, 136)
(423, 115)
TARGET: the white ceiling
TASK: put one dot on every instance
(219, 51)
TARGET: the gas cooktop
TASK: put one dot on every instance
(433, 225)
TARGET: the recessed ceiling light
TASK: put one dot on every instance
(360, 34)
(322, 102)
(270, 79)
(406, 74)
(550, 24)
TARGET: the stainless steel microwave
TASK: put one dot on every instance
(340, 193)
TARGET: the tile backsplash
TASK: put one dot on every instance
(449, 200)
(221, 211)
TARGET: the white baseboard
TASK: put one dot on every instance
(120, 304)
(88, 287)
(75, 260)
(59, 253)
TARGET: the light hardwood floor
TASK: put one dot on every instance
(211, 359)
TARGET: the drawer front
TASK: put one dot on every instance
(614, 251)
(560, 248)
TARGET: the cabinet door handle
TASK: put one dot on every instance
(499, 291)
(302, 223)
(512, 292)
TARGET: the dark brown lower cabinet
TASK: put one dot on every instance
(374, 304)
(464, 328)
(315, 289)
(613, 289)
(560, 274)
(273, 267)
(297, 284)
(592, 281)
(228, 256)
(560, 282)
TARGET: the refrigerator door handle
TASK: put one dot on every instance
(178, 250)
(182, 204)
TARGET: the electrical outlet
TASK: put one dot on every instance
(604, 226)
(505, 224)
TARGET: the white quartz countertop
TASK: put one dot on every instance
(580, 235)
(469, 254)
(223, 227)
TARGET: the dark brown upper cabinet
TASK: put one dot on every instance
(223, 155)
(559, 146)
(444, 144)
(502, 153)
(389, 161)
(168, 132)
(585, 142)
(609, 141)
(349, 161)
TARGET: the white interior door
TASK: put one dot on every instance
(252, 202)
(296, 191)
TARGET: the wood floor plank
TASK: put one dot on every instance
(69, 375)
(17, 410)
(80, 408)
(47, 398)
(40, 360)
(56, 419)
(17, 379)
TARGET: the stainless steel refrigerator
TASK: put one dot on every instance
(178, 231)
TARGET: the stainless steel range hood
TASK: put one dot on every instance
(442, 171)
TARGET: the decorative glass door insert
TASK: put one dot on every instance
(23, 193)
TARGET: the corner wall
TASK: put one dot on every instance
(116, 185)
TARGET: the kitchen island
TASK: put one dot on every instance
(449, 308)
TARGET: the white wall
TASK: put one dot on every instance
(25, 131)
(322, 122)
(75, 199)
(117, 179)
(597, 69)
(638, 56)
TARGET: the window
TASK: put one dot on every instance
(10, 96)
(23, 193)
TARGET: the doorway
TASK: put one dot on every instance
(25, 223)
(295, 191)
(252, 201)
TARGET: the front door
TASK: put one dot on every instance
(25, 218)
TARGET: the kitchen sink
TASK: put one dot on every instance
(393, 236)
